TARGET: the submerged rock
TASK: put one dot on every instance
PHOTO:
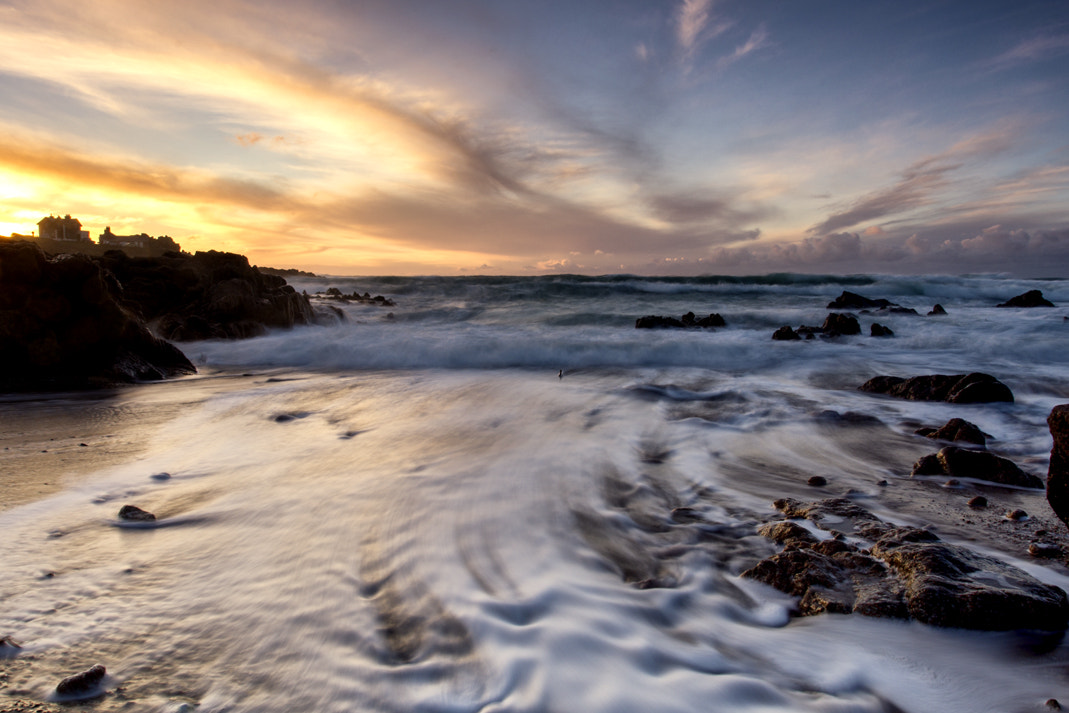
(852, 300)
(1058, 472)
(878, 330)
(785, 334)
(954, 388)
(937, 311)
(1032, 298)
(82, 684)
(837, 324)
(980, 465)
(687, 321)
(956, 430)
(908, 573)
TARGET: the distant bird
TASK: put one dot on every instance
(560, 374)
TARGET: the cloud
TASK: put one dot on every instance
(1035, 49)
(758, 39)
(692, 17)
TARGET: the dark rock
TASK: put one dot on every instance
(1017, 515)
(837, 324)
(687, 321)
(85, 683)
(878, 330)
(817, 481)
(785, 334)
(978, 502)
(979, 465)
(9, 648)
(937, 310)
(208, 295)
(63, 326)
(852, 300)
(1053, 704)
(1032, 298)
(1044, 550)
(1058, 472)
(954, 388)
(135, 514)
(956, 430)
(908, 573)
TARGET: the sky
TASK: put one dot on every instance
(457, 137)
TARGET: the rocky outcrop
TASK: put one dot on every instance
(62, 326)
(852, 300)
(878, 330)
(687, 321)
(956, 430)
(954, 388)
(209, 295)
(937, 311)
(1058, 472)
(980, 465)
(333, 293)
(837, 324)
(133, 513)
(907, 573)
(1032, 298)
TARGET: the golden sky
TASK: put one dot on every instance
(466, 136)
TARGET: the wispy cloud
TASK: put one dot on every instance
(1034, 49)
(758, 39)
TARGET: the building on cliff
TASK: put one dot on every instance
(65, 235)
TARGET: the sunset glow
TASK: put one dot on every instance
(466, 136)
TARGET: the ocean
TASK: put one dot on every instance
(446, 504)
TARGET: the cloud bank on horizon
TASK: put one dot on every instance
(490, 136)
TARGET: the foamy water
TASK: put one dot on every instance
(417, 514)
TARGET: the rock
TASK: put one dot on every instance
(979, 465)
(852, 300)
(208, 295)
(9, 648)
(956, 430)
(63, 326)
(937, 311)
(954, 388)
(1053, 704)
(1032, 298)
(85, 683)
(908, 573)
(1017, 515)
(817, 481)
(977, 502)
(687, 321)
(878, 330)
(840, 324)
(1058, 472)
(135, 514)
(1044, 550)
(785, 334)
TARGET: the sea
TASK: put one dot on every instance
(463, 502)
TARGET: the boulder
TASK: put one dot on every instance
(954, 388)
(785, 334)
(956, 430)
(980, 465)
(908, 573)
(837, 324)
(135, 514)
(852, 300)
(63, 326)
(82, 684)
(1032, 298)
(878, 330)
(937, 311)
(1058, 472)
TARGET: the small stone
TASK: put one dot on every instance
(160, 476)
(1017, 515)
(1053, 704)
(952, 483)
(135, 514)
(882, 483)
(978, 502)
(817, 481)
(937, 310)
(83, 445)
(82, 683)
(1044, 549)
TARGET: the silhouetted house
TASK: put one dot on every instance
(65, 229)
(141, 244)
